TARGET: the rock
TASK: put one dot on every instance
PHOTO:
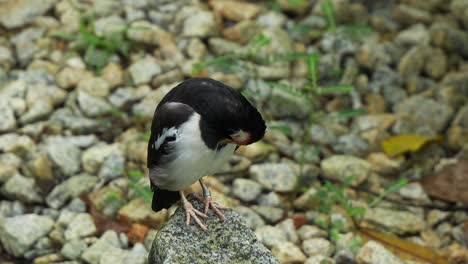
(245, 189)
(270, 214)
(107, 242)
(93, 157)
(235, 10)
(81, 226)
(458, 131)
(94, 86)
(317, 246)
(19, 233)
(197, 22)
(383, 164)
(450, 38)
(414, 191)
(283, 104)
(413, 36)
(225, 242)
(289, 230)
(37, 111)
(294, 7)
(310, 231)
(305, 201)
(319, 259)
(459, 8)
(143, 70)
(69, 77)
(7, 118)
(113, 74)
(20, 145)
(21, 188)
(343, 166)
(436, 64)
(122, 97)
(252, 219)
(112, 167)
(26, 42)
(256, 151)
(373, 252)
(408, 15)
(106, 26)
(120, 256)
(272, 19)
(287, 252)
(269, 199)
(351, 144)
(14, 14)
(280, 177)
(421, 116)
(73, 249)
(93, 106)
(6, 58)
(69, 189)
(6, 172)
(270, 236)
(398, 222)
(138, 211)
(412, 63)
(65, 156)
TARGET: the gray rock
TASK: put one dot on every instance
(71, 188)
(106, 26)
(351, 144)
(283, 104)
(412, 63)
(94, 157)
(84, 141)
(319, 259)
(107, 242)
(317, 246)
(21, 188)
(25, 42)
(6, 59)
(122, 96)
(245, 189)
(65, 156)
(19, 233)
(196, 22)
(252, 219)
(15, 143)
(36, 111)
(343, 166)
(269, 199)
(270, 214)
(93, 106)
(94, 86)
(120, 256)
(112, 167)
(281, 177)
(11, 208)
(398, 222)
(459, 8)
(310, 231)
(373, 252)
(289, 230)
(270, 235)
(458, 131)
(272, 19)
(73, 249)
(322, 134)
(450, 38)
(75, 123)
(421, 116)
(146, 107)
(225, 242)
(14, 14)
(81, 226)
(143, 70)
(7, 118)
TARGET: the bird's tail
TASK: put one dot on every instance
(163, 199)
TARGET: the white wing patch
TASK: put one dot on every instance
(166, 132)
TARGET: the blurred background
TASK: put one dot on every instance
(364, 160)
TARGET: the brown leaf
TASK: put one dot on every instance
(137, 233)
(450, 183)
(402, 248)
(102, 222)
(299, 219)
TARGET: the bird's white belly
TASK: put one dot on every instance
(192, 158)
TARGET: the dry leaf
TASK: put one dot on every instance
(402, 248)
(450, 183)
(102, 222)
(137, 233)
(399, 144)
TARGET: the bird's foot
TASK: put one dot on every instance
(209, 203)
(191, 212)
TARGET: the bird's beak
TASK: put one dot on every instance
(241, 137)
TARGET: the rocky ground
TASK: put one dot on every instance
(73, 136)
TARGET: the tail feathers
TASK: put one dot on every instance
(163, 199)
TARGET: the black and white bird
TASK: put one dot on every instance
(195, 130)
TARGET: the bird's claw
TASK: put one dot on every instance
(190, 211)
(208, 202)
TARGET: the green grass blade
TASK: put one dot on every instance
(335, 89)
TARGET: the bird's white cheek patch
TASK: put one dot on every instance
(166, 132)
(241, 137)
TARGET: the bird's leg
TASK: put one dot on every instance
(206, 199)
(192, 212)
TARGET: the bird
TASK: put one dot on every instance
(196, 128)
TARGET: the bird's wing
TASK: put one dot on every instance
(165, 129)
